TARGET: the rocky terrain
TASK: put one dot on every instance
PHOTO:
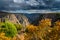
(14, 18)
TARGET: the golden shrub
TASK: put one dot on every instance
(54, 33)
(31, 32)
(57, 25)
(45, 22)
(3, 37)
(31, 28)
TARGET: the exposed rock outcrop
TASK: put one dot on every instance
(14, 18)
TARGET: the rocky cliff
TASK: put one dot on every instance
(14, 18)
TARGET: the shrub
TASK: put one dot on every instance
(18, 26)
(32, 33)
(31, 28)
(45, 23)
(3, 37)
(8, 28)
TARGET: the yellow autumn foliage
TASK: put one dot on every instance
(55, 32)
(3, 37)
(57, 25)
(45, 22)
(47, 32)
(40, 31)
(31, 28)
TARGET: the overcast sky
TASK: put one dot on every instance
(20, 4)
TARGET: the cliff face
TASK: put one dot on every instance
(14, 18)
(22, 19)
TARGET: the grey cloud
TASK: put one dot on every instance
(29, 4)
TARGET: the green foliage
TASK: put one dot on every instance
(8, 28)
(2, 27)
(18, 26)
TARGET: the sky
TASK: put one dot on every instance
(21, 5)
